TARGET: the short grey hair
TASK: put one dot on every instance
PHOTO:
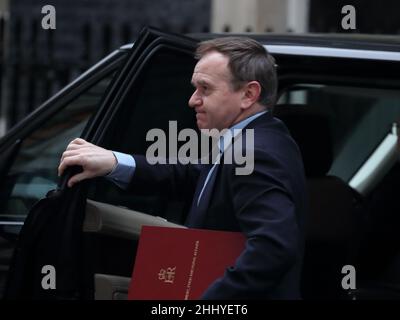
(248, 61)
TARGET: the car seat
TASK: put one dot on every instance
(334, 207)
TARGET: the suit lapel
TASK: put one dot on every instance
(198, 209)
(201, 209)
(195, 218)
(191, 219)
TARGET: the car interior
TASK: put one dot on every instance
(333, 205)
(352, 217)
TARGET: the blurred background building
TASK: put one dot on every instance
(259, 16)
(35, 63)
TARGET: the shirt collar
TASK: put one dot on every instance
(235, 129)
(245, 122)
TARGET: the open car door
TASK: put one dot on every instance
(76, 235)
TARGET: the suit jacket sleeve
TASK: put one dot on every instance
(265, 210)
(175, 180)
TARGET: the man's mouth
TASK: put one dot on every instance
(199, 115)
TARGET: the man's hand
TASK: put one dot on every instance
(94, 160)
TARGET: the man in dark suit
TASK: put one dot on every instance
(235, 88)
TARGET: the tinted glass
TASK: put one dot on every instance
(34, 171)
(160, 94)
(358, 120)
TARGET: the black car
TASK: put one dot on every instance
(339, 97)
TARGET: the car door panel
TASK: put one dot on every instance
(21, 184)
(119, 222)
(53, 233)
(132, 91)
(50, 238)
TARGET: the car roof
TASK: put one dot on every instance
(331, 40)
(356, 46)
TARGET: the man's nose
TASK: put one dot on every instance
(194, 100)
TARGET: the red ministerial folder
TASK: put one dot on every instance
(180, 264)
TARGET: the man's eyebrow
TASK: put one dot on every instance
(200, 83)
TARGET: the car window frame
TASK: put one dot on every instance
(108, 110)
(135, 85)
(322, 70)
(51, 107)
(62, 98)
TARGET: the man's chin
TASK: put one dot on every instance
(208, 131)
(202, 126)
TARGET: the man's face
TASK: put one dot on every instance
(216, 104)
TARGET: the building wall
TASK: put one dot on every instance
(124, 17)
(39, 62)
(373, 17)
(259, 16)
(35, 63)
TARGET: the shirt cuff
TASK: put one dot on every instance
(122, 174)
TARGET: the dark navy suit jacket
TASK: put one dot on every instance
(268, 206)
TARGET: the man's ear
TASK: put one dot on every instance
(251, 93)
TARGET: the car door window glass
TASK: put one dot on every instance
(160, 94)
(359, 119)
(34, 171)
